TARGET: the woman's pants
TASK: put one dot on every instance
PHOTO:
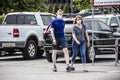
(76, 48)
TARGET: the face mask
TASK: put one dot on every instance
(59, 16)
(78, 21)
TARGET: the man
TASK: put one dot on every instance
(57, 33)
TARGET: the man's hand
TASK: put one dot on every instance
(54, 42)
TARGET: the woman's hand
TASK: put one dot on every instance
(88, 44)
(78, 42)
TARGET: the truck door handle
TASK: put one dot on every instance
(9, 33)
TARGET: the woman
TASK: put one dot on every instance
(80, 39)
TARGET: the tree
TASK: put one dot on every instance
(65, 9)
(49, 8)
(21, 5)
(117, 9)
(61, 6)
(82, 4)
(55, 8)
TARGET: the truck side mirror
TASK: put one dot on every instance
(114, 25)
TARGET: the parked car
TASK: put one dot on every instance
(23, 31)
(100, 29)
(109, 19)
(88, 12)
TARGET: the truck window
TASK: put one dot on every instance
(10, 19)
(30, 19)
(46, 19)
(20, 19)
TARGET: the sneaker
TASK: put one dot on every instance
(54, 69)
(85, 70)
(72, 68)
(68, 69)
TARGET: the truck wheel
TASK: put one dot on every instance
(30, 50)
(118, 55)
(40, 53)
(88, 54)
(2, 53)
(49, 56)
(10, 52)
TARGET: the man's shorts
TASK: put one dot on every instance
(60, 42)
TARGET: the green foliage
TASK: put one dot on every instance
(61, 6)
(55, 8)
(1, 18)
(21, 5)
(82, 4)
(65, 9)
(49, 8)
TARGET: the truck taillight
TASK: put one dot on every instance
(15, 32)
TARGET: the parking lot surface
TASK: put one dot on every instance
(16, 68)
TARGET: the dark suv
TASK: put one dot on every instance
(101, 31)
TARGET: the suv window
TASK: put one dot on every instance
(113, 20)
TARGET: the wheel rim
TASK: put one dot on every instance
(31, 50)
(90, 53)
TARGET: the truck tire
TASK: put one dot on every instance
(49, 56)
(118, 55)
(2, 53)
(30, 51)
(88, 54)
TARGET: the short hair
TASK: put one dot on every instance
(59, 10)
(80, 17)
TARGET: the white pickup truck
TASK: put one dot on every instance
(23, 31)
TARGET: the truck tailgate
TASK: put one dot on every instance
(6, 33)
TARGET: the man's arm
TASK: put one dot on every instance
(53, 36)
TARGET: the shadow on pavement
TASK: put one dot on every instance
(96, 60)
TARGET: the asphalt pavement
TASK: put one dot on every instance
(16, 68)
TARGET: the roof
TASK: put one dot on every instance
(103, 16)
(45, 13)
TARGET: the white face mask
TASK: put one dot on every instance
(59, 16)
(79, 21)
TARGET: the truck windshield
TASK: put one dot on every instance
(47, 19)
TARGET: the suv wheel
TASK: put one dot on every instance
(2, 53)
(89, 54)
(30, 50)
(118, 55)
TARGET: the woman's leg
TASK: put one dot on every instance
(83, 54)
(75, 53)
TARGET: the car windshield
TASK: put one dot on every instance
(105, 20)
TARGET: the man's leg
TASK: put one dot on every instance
(54, 60)
(66, 55)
